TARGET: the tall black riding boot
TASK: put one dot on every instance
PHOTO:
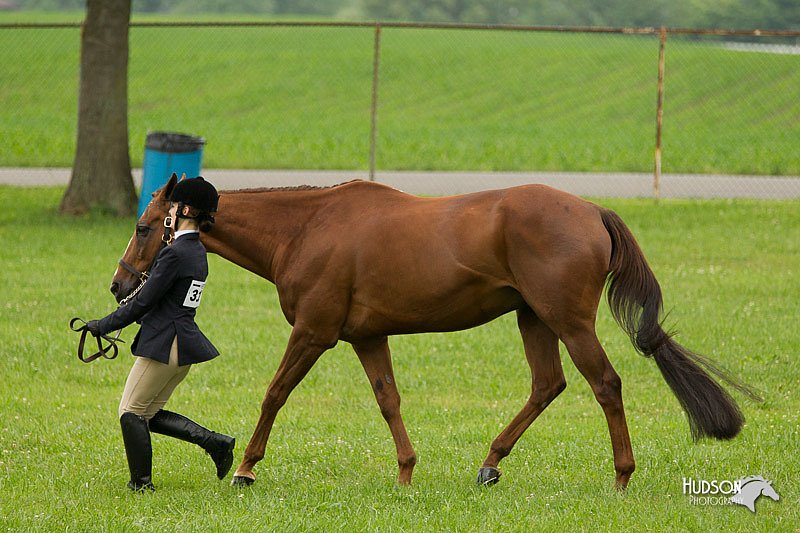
(217, 445)
(136, 437)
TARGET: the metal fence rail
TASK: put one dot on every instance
(386, 97)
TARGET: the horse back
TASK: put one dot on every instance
(404, 264)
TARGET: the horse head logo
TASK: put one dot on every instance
(750, 488)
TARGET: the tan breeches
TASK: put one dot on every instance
(151, 383)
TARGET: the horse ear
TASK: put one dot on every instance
(167, 191)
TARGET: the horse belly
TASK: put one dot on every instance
(373, 315)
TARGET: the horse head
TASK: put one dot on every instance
(769, 491)
(751, 488)
(144, 245)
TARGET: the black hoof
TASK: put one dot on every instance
(242, 481)
(488, 476)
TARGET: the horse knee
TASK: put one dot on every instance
(274, 399)
(388, 413)
(390, 409)
(388, 403)
(557, 388)
(542, 396)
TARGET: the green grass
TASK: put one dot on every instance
(729, 271)
(448, 99)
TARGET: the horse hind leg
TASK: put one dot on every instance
(591, 360)
(377, 362)
(547, 382)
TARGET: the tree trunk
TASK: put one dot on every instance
(101, 173)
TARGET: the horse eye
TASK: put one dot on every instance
(142, 231)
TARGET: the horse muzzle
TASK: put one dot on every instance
(118, 292)
(124, 289)
(115, 290)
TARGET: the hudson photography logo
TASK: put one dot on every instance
(743, 491)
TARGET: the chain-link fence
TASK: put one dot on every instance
(482, 106)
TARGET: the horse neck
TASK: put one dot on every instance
(254, 228)
(753, 489)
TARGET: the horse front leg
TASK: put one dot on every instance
(303, 350)
(377, 362)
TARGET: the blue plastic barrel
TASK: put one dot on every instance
(165, 153)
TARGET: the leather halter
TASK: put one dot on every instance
(166, 239)
(142, 275)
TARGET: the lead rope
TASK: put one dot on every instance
(102, 351)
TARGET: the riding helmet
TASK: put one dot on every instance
(197, 193)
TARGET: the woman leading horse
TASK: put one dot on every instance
(169, 341)
(360, 261)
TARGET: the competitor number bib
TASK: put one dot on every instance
(194, 293)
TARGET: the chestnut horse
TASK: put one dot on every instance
(361, 261)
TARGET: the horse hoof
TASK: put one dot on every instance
(242, 481)
(488, 476)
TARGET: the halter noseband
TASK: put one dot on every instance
(142, 275)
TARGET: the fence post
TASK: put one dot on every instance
(659, 113)
(373, 133)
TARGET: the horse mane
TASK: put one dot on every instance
(296, 188)
(750, 479)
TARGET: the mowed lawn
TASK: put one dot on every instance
(729, 271)
(292, 97)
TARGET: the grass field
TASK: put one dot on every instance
(448, 100)
(729, 271)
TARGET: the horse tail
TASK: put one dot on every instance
(634, 296)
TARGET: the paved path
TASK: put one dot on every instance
(444, 183)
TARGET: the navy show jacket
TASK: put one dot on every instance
(166, 306)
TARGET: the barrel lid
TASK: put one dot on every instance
(172, 142)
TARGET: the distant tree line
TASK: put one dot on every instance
(742, 14)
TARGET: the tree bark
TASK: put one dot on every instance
(101, 173)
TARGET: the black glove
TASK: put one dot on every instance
(94, 327)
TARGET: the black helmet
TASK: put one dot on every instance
(197, 193)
